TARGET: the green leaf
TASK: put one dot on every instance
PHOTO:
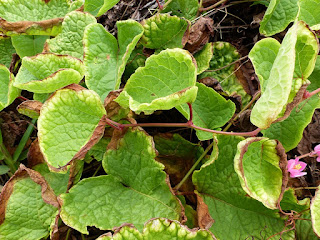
(134, 190)
(159, 229)
(98, 150)
(236, 215)
(315, 212)
(28, 45)
(164, 31)
(310, 12)
(278, 86)
(289, 132)
(3, 168)
(183, 8)
(6, 51)
(69, 41)
(68, 121)
(8, 93)
(46, 73)
(289, 202)
(304, 229)
(278, 16)
(262, 56)
(104, 58)
(98, 7)
(27, 213)
(257, 165)
(314, 78)
(223, 55)
(203, 58)
(57, 181)
(167, 80)
(35, 17)
(210, 110)
(306, 52)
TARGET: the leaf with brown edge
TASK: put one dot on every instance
(114, 111)
(34, 17)
(63, 137)
(35, 156)
(28, 194)
(205, 221)
(261, 165)
(30, 108)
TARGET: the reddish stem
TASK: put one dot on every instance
(310, 94)
(191, 114)
(23, 98)
(188, 125)
(160, 6)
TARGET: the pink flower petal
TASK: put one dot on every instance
(317, 148)
(291, 163)
(318, 159)
(293, 175)
(303, 166)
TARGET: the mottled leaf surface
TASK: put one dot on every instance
(28, 45)
(66, 124)
(39, 17)
(224, 54)
(183, 8)
(6, 51)
(7, 91)
(69, 41)
(167, 80)
(46, 73)
(98, 7)
(278, 16)
(210, 110)
(236, 215)
(164, 31)
(105, 57)
(159, 229)
(257, 165)
(134, 190)
(27, 215)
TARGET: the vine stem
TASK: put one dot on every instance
(176, 188)
(212, 6)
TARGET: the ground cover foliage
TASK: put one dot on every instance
(177, 119)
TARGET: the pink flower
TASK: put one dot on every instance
(295, 168)
(317, 151)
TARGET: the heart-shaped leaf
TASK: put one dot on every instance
(134, 190)
(105, 58)
(46, 73)
(167, 80)
(236, 216)
(259, 163)
(70, 123)
(6, 51)
(183, 8)
(28, 45)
